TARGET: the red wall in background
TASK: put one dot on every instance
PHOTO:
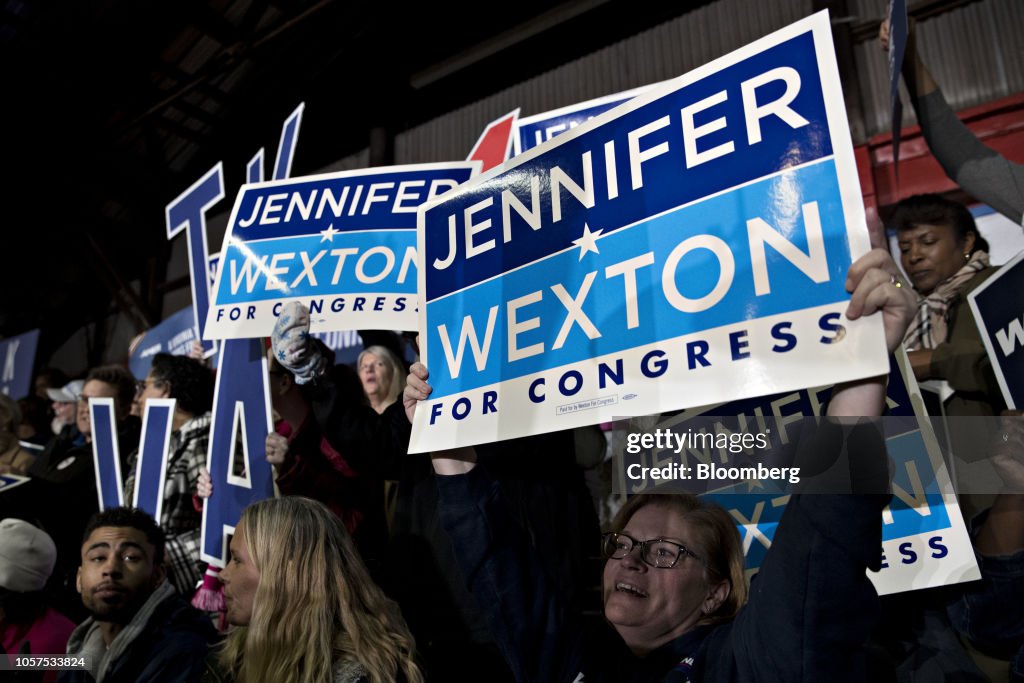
(999, 124)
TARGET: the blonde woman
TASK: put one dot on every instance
(382, 376)
(303, 605)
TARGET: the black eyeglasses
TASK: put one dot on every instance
(657, 552)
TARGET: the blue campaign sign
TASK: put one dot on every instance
(897, 16)
(241, 422)
(495, 144)
(18, 355)
(105, 453)
(532, 131)
(924, 540)
(9, 481)
(154, 452)
(346, 345)
(241, 410)
(343, 244)
(999, 311)
(151, 460)
(174, 335)
(688, 247)
(188, 212)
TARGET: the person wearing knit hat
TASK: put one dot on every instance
(27, 556)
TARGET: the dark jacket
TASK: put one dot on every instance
(963, 361)
(166, 642)
(810, 609)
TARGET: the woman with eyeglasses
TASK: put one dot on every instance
(675, 603)
(190, 383)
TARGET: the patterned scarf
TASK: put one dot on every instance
(929, 328)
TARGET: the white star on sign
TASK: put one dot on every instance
(588, 240)
(328, 234)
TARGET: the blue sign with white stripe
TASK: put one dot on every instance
(697, 235)
(343, 244)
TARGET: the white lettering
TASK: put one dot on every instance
(812, 264)
(692, 133)
(779, 107)
(515, 328)
(727, 270)
(637, 156)
(468, 331)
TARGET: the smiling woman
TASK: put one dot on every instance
(676, 605)
(699, 540)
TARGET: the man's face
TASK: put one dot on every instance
(652, 606)
(118, 573)
(92, 389)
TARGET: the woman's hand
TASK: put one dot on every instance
(204, 487)
(416, 388)
(276, 448)
(455, 461)
(916, 75)
(875, 284)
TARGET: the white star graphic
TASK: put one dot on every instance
(328, 234)
(588, 240)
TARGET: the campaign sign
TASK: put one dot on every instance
(236, 459)
(9, 481)
(898, 30)
(688, 247)
(924, 540)
(147, 480)
(343, 244)
(535, 130)
(346, 344)
(173, 335)
(495, 143)
(106, 453)
(999, 311)
(18, 355)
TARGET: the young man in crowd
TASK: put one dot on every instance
(140, 630)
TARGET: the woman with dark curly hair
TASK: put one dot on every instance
(190, 383)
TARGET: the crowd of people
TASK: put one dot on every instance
(374, 565)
